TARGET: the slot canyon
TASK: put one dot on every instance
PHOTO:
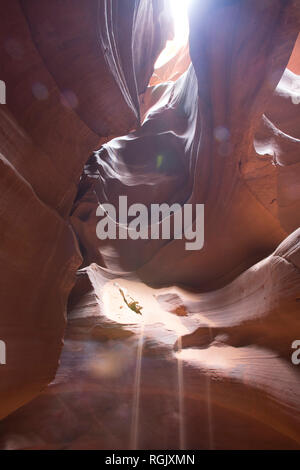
(138, 342)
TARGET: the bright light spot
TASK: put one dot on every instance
(40, 91)
(116, 310)
(211, 358)
(179, 11)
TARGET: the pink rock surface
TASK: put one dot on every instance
(224, 133)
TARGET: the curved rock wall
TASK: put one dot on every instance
(73, 78)
(225, 133)
(218, 148)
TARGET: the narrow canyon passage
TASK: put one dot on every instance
(127, 328)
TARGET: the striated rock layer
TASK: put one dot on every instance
(173, 376)
(217, 132)
(73, 72)
(224, 133)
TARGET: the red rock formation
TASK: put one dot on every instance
(171, 70)
(73, 72)
(205, 136)
(225, 134)
(235, 342)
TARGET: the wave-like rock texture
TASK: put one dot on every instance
(73, 72)
(225, 133)
(212, 137)
(171, 377)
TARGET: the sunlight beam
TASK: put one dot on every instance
(179, 12)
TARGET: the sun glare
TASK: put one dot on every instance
(179, 11)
